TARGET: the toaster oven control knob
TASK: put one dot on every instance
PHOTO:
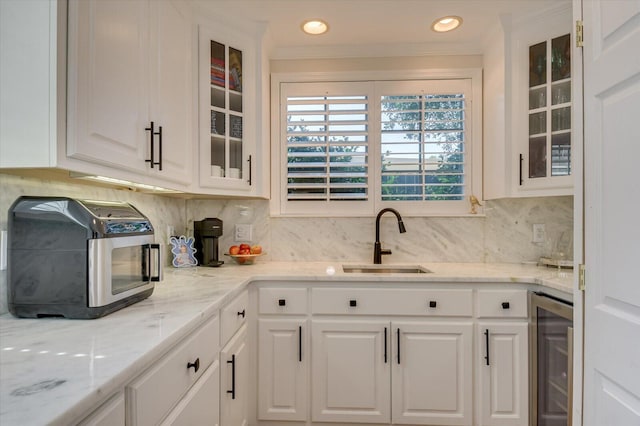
(195, 365)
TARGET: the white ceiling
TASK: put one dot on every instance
(377, 25)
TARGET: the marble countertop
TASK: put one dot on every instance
(54, 371)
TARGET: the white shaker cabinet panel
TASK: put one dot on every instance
(130, 65)
(283, 364)
(432, 373)
(504, 373)
(350, 375)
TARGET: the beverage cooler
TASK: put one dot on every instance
(551, 346)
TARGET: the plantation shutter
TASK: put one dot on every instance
(423, 138)
(327, 143)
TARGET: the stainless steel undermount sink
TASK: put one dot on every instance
(385, 269)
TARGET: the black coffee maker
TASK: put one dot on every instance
(206, 233)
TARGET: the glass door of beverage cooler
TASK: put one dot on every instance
(551, 360)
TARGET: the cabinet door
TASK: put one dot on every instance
(111, 413)
(108, 82)
(200, 406)
(234, 380)
(542, 104)
(350, 375)
(503, 355)
(228, 108)
(432, 373)
(171, 88)
(283, 362)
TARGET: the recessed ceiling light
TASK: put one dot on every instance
(446, 23)
(315, 27)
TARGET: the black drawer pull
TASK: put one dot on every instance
(353, 303)
(433, 303)
(505, 305)
(486, 341)
(282, 302)
(195, 365)
(241, 314)
(233, 376)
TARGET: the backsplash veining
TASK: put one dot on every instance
(503, 235)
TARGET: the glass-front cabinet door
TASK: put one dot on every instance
(540, 118)
(227, 123)
(550, 108)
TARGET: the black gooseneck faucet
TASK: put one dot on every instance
(378, 251)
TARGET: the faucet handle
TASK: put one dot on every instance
(385, 251)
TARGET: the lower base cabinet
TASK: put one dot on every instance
(431, 377)
(176, 384)
(234, 380)
(405, 356)
(350, 371)
(414, 373)
(201, 405)
(283, 362)
(503, 374)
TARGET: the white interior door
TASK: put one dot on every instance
(612, 233)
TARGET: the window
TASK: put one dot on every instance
(351, 148)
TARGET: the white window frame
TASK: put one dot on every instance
(279, 205)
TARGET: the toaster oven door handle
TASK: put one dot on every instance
(153, 263)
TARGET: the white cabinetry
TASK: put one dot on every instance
(229, 154)
(178, 385)
(502, 363)
(350, 376)
(130, 65)
(390, 369)
(432, 373)
(234, 360)
(111, 413)
(283, 355)
(529, 86)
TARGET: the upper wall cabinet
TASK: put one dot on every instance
(229, 161)
(130, 102)
(541, 133)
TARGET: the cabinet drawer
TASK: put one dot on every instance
(292, 301)
(234, 315)
(150, 397)
(502, 303)
(366, 301)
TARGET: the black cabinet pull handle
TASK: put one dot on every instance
(159, 163)
(505, 305)
(195, 365)
(282, 302)
(300, 343)
(521, 161)
(241, 313)
(152, 133)
(233, 376)
(249, 160)
(353, 302)
(433, 303)
(398, 337)
(486, 339)
(385, 345)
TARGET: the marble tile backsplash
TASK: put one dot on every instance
(504, 234)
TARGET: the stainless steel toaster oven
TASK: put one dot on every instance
(78, 258)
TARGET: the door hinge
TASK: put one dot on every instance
(581, 283)
(579, 34)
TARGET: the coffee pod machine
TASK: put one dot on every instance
(206, 233)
